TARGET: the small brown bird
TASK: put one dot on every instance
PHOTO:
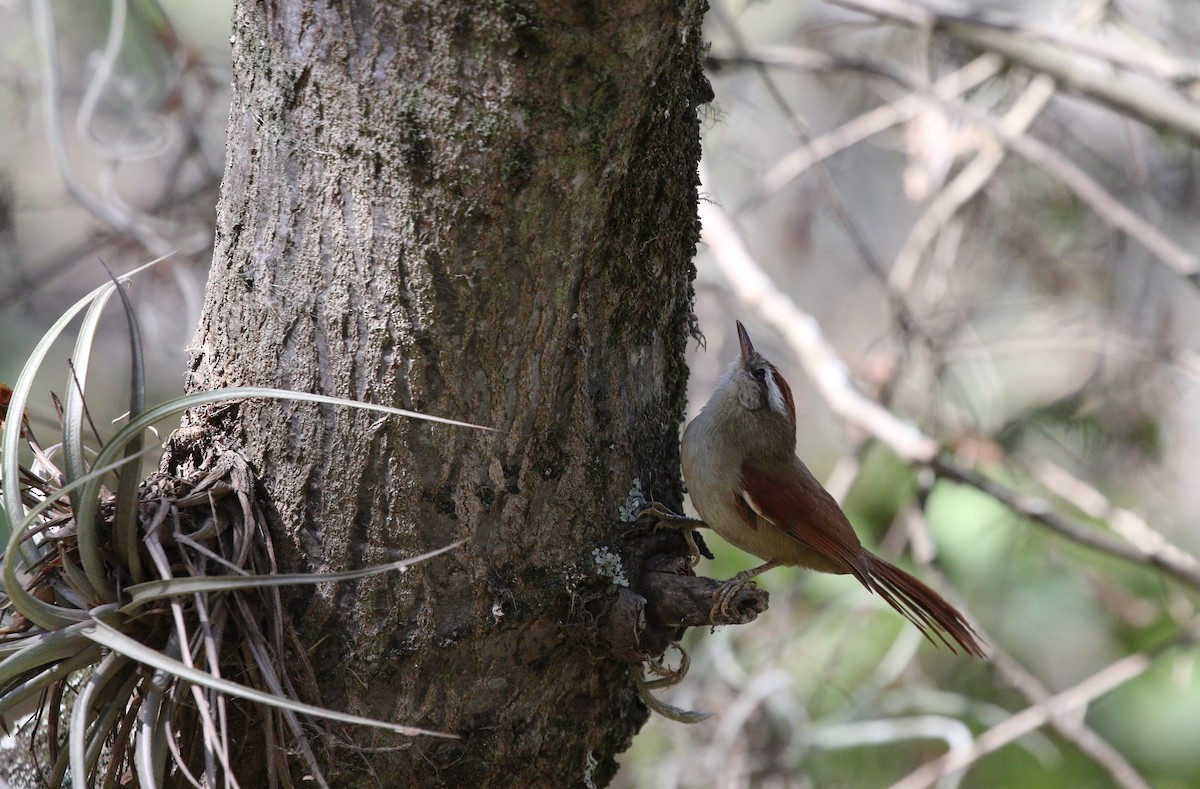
(741, 469)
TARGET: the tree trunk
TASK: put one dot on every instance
(484, 211)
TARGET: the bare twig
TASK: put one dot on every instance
(882, 731)
(1124, 522)
(1165, 556)
(1100, 750)
(1069, 702)
(114, 150)
(870, 123)
(115, 216)
(1144, 101)
(799, 128)
(748, 281)
(1073, 727)
(1082, 185)
(966, 185)
(1133, 94)
(1109, 208)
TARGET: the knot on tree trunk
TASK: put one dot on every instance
(665, 598)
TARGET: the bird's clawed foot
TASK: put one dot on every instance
(728, 592)
(664, 517)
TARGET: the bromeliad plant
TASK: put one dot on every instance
(130, 603)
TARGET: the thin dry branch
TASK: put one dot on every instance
(752, 286)
(1073, 728)
(1167, 557)
(1073, 701)
(799, 129)
(866, 125)
(968, 183)
(1156, 101)
(1070, 175)
(1100, 750)
(1124, 522)
(115, 216)
(1083, 186)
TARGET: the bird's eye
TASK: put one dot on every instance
(759, 373)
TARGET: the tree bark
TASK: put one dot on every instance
(484, 211)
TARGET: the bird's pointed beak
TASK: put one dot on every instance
(744, 340)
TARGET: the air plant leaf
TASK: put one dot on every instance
(58, 670)
(143, 593)
(125, 517)
(85, 518)
(42, 649)
(10, 445)
(151, 753)
(74, 460)
(108, 636)
(84, 749)
(41, 613)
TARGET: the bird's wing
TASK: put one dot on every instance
(794, 502)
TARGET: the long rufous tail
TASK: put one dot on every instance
(920, 605)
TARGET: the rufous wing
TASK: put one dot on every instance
(794, 502)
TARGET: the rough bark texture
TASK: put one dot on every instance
(484, 211)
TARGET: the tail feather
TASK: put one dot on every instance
(922, 606)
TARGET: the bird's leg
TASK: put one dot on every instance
(729, 589)
(665, 518)
(673, 519)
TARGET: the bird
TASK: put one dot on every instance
(747, 484)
